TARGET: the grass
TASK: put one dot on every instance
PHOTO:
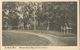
(71, 41)
(16, 39)
(22, 39)
(56, 33)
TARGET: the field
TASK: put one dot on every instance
(37, 38)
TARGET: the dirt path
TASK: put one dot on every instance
(53, 39)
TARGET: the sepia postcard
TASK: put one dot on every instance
(39, 25)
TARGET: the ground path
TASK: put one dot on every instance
(54, 40)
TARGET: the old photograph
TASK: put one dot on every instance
(39, 23)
